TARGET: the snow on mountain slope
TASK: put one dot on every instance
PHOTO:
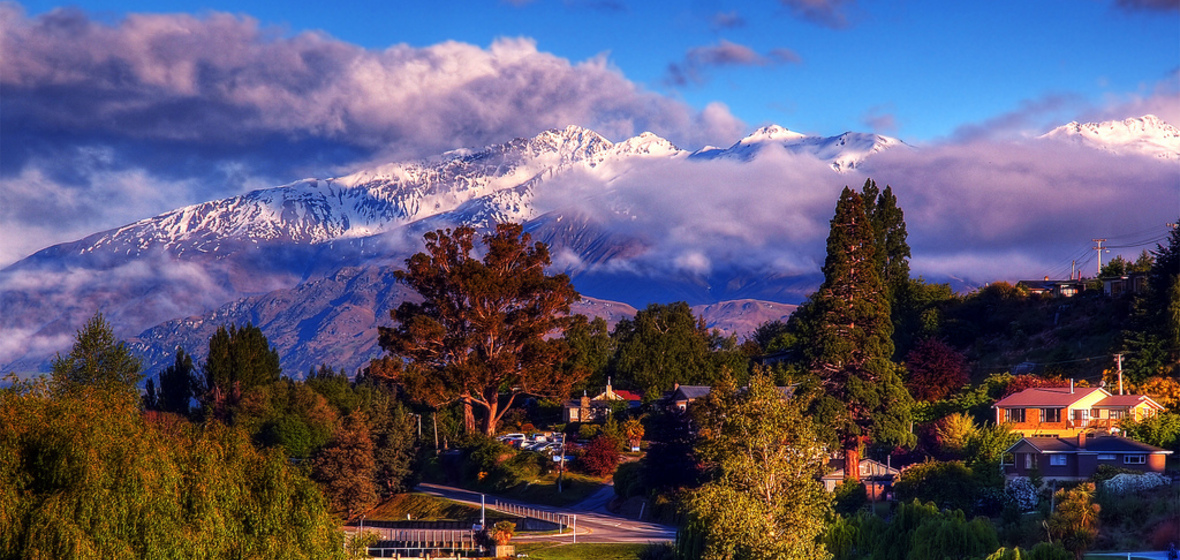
(1146, 135)
(843, 153)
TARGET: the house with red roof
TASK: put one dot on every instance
(1068, 411)
(598, 408)
(1078, 457)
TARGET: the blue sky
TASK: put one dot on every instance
(915, 70)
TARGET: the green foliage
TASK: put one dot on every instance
(97, 359)
(917, 531)
(85, 475)
(287, 414)
(663, 345)
(591, 348)
(240, 358)
(345, 468)
(176, 385)
(1042, 551)
(950, 535)
(483, 325)
(628, 480)
(764, 499)
(849, 497)
(1160, 430)
(954, 432)
(1075, 522)
(852, 345)
(397, 446)
(949, 484)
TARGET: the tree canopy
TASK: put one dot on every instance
(484, 326)
(96, 359)
(764, 499)
(851, 348)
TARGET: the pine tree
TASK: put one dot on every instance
(96, 359)
(863, 393)
(176, 384)
(241, 357)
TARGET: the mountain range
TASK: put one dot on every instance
(310, 262)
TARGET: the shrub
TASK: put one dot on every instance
(629, 480)
(948, 484)
(1023, 494)
(600, 457)
(849, 497)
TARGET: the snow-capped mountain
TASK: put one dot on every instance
(1146, 135)
(843, 153)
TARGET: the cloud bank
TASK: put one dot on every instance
(199, 108)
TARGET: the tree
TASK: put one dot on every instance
(935, 370)
(764, 499)
(240, 358)
(85, 475)
(633, 431)
(1075, 523)
(484, 326)
(601, 456)
(893, 250)
(176, 385)
(954, 432)
(663, 345)
(394, 431)
(591, 348)
(96, 359)
(345, 468)
(863, 396)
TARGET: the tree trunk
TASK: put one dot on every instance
(489, 426)
(468, 416)
(852, 462)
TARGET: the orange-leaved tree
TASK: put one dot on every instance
(487, 329)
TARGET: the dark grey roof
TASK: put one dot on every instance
(1094, 444)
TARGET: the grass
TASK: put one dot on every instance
(585, 551)
(575, 488)
(423, 507)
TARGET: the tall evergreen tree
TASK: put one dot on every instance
(96, 359)
(241, 357)
(176, 384)
(893, 249)
(851, 351)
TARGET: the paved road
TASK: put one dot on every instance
(595, 523)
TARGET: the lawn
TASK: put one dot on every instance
(423, 507)
(587, 551)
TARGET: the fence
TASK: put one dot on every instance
(417, 542)
(563, 521)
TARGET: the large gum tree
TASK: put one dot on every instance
(487, 329)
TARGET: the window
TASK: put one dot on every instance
(1081, 415)
(1134, 459)
(1106, 457)
(1050, 415)
(1014, 415)
(1029, 462)
(1118, 413)
(1059, 460)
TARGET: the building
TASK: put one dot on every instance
(877, 477)
(1078, 457)
(1067, 411)
(1116, 286)
(598, 408)
(1059, 288)
(683, 395)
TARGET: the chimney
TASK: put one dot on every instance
(1081, 440)
(1046, 278)
(675, 386)
(1071, 385)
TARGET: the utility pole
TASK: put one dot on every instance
(1118, 360)
(1073, 269)
(1098, 248)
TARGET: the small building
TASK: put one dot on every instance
(1116, 286)
(1058, 288)
(1078, 457)
(1067, 411)
(598, 408)
(877, 477)
(684, 395)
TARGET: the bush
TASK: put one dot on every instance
(629, 480)
(600, 457)
(849, 497)
(949, 484)
(1023, 494)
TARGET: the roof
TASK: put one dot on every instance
(629, 396)
(1120, 401)
(868, 467)
(1047, 397)
(691, 392)
(1094, 444)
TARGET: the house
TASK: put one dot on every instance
(877, 477)
(1116, 286)
(1059, 288)
(1066, 411)
(683, 395)
(1078, 457)
(598, 408)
